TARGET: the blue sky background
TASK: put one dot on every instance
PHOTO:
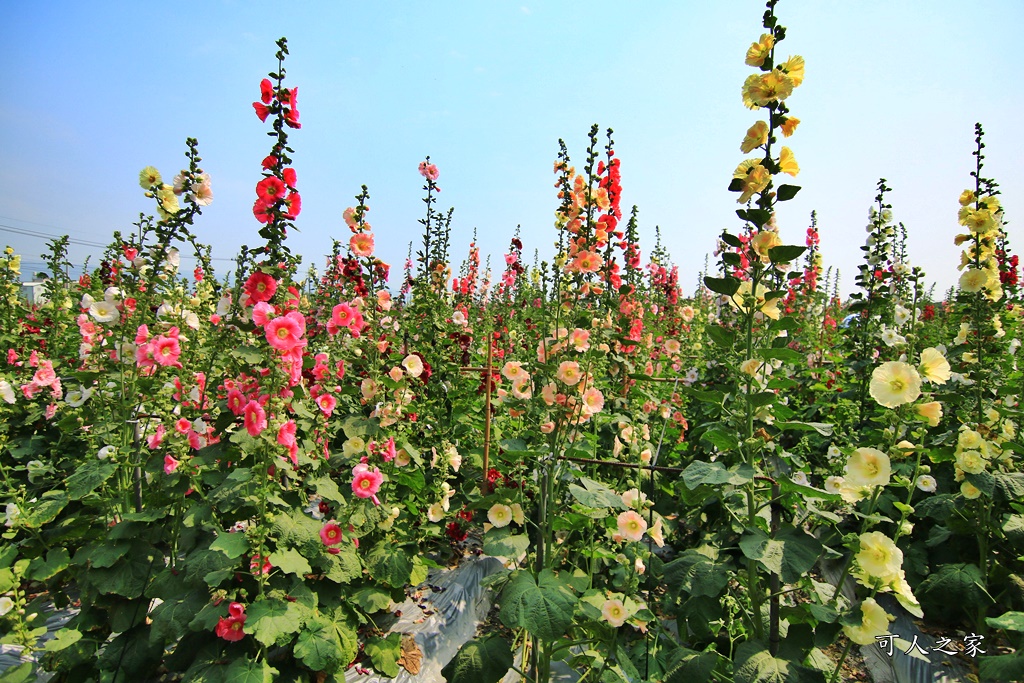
(96, 91)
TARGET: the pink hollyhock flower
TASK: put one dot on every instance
(284, 333)
(261, 313)
(255, 418)
(342, 315)
(389, 450)
(166, 351)
(330, 534)
(170, 464)
(130, 253)
(196, 440)
(266, 90)
(231, 628)
(156, 438)
(45, 376)
(291, 115)
(429, 171)
(327, 403)
(142, 334)
(361, 244)
(366, 482)
(261, 211)
(33, 359)
(269, 162)
(50, 411)
(257, 567)
(289, 177)
(236, 401)
(182, 425)
(270, 190)
(262, 110)
(293, 205)
(259, 287)
(286, 433)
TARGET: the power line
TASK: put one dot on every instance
(72, 240)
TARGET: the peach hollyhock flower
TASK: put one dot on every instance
(255, 418)
(413, 365)
(763, 241)
(586, 262)
(868, 467)
(593, 401)
(259, 287)
(973, 280)
(787, 162)
(934, 367)
(512, 370)
(687, 313)
(568, 372)
(759, 51)
(894, 383)
(547, 427)
(521, 388)
(284, 333)
(756, 136)
(517, 514)
(500, 515)
(657, 534)
(788, 126)
(672, 347)
(435, 513)
(366, 482)
(361, 244)
(878, 560)
(579, 339)
(614, 612)
(396, 374)
(231, 628)
(549, 393)
(874, 623)
(631, 525)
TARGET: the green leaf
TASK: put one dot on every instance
(722, 285)
(791, 554)
(234, 545)
(389, 563)
(695, 667)
(297, 530)
(723, 438)
(133, 653)
(786, 192)
(290, 561)
(786, 355)
(372, 599)
(19, 674)
(721, 336)
(1013, 527)
(480, 661)
(128, 576)
(66, 637)
(172, 617)
(88, 477)
(45, 510)
(755, 664)
(731, 240)
(247, 671)
(343, 567)
(1009, 486)
(985, 482)
(319, 646)
(504, 543)
(697, 574)
(1011, 621)
(736, 185)
(715, 473)
(954, 584)
(384, 653)
(273, 621)
(595, 495)
(785, 253)
(56, 561)
(543, 606)
(1002, 668)
(822, 428)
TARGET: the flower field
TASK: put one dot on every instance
(236, 477)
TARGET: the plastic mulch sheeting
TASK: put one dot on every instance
(13, 655)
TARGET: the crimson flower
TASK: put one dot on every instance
(289, 176)
(293, 204)
(231, 628)
(266, 90)
(259, 209)
(270, 189)
(260, 287)
(262, 111)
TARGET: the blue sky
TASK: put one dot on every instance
(96, 91)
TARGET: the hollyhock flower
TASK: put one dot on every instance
(231, 628)
(182, 425)
(326, 403)
(593, 401)
(104, 311)
(361, 244)
(262, 110)
(763, 241)
(262, 313)
(878, 561)
(787, 162)
(389, 452)
(755, 178)
(788, 126)
(413, 364)
(500, 515)
(927, 483)
(266, 90)
(522, 388)
(614, 612)
(971, 462)
(974, 280)
(759, 90)
(44, 375)
(270, 190)
(657, 534)
(568, 372)
(166, 351)
(170, 464)
(292, 205)
(284, 333)
(759, 51)
(435, 513)
(868, 467)
(286, 434)
(429, 171)
(874, 623)
(894, 383)
(756, 136)
(934, 367)
(969, 491)
(366, 482)
(259, 287)
(148, 177)
(631, 525)
(255, 418)
(262, 212)
(330, 534)
(931, 411)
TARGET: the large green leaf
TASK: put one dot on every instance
(66, 637)
(722, 438)
(1009, 486)
(319, 645)
(715, 473)
(384, 653)
(343, 566)
(480, 661)
(543, 606)
(297, 530)
(504, 543)
(56, 561)
(1011, 621)
(696, 574)
(791, 554)
(1002, 668)
(372, 599)
(45, 510)
(290, 561)
(128, 576)
(958, 583)
(172, 617)
(23, 673)
(133, 654)
(389, 563)
(695, 667)
(274, 621)
(755, 664)
(722, 285)
(234, 545)
(88, 477)
(247, 671)
(596, 495)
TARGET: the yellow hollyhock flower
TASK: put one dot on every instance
(931, 411)
(874, 622)
(934, 367)
(756, 136)
(787, 162)
(966, 197)
(759, 51)
(878, 560)
(743, 298)
(761, 89)
(794, 68)
(868, 467)
(969, 491)
(971, 462)
(895, 383)
(148, 177)
(789, 125)
(755, 178)
(763, 241)
(974, 280)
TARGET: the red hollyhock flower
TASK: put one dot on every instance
(293, 204)
(289, 177)
(231, 628)
(260, 287)
(330, 534)
(270, 162)
(255, 418)
(270, 189)
(259, 209)
(266, 90)
(262, 111)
